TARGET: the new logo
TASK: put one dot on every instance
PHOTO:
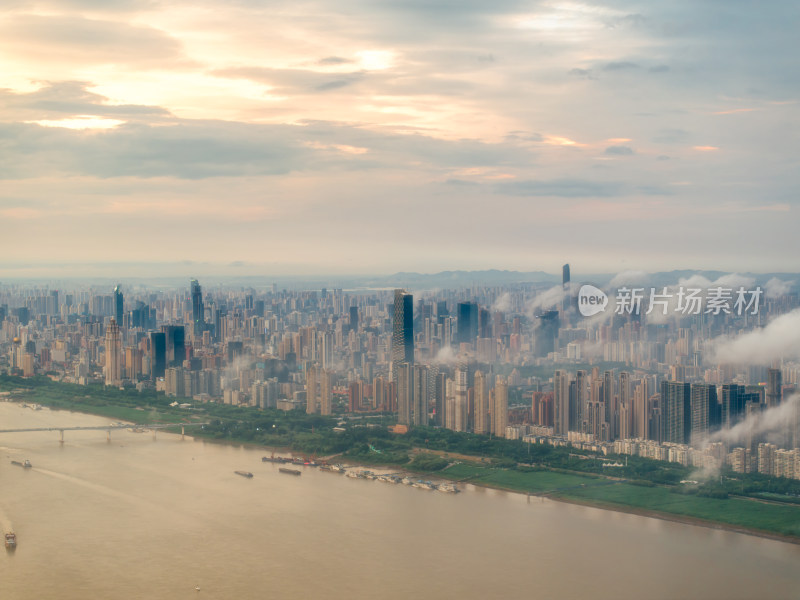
(591, 300)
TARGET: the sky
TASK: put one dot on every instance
(355, 136)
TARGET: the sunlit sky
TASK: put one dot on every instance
(370, 137)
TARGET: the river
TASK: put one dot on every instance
(135, 517)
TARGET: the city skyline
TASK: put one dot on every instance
(438, 136)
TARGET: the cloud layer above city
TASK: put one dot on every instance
(363, 137)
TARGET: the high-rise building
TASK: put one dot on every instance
(460, 400)
(610, 403)
(640, 410)
(175, 344)
(420, 399)
(500, 409)
(353, 318)
(581, 396)
(675, 412)
(774, 387)
(624, 420)
(311, 389)
(403, 327)
(158, 354)
(113, 368)
(546, 332)
(561, 403)
(734, 400)
(481, 404)
(594, 420)
(706, 412)
(118, 305)
(404, 378)
(467, 315)
(440, 398)
(198, 310)
(325, 393)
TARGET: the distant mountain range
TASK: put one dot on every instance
(413, 281)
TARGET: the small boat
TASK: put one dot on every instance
(424, 485)
(448, 488)
(275, 459)
(25, 465)
(11, 541)
(247, 474)
(289, 471)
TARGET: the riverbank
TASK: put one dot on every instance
(641, 512)
(551, 485)
(776, 521)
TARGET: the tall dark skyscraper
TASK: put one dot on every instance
(175, 344)
(706, 412)
(158, 353)
(198, 311)
(676, 416)
(354, 318)
(467, 322)
(565, 303)
(546, 333)
(733, 403)
(403, 327)
(118, 304)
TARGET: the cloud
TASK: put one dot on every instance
(620, 66)
(446, 356)
(734, 281)
(771, 423)
(333, 85)
(587, 73)
(73, 98)
(567, 188)
(620, 151)
(775, 288)
(671, 135)
(628, 278)
(334, 60)
(503, 303)
(63, 38)
(293, 81)
(780, 339)
(196, 149)
(215, 108)
(100, 6)
(545, 300)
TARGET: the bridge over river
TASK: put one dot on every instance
(107, 428)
